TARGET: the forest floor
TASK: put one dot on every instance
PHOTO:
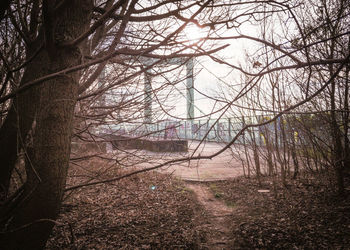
(145, 211)
(304, 214)
(159, 211)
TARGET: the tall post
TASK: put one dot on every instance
(148, 99)
(199, 130)
(189, 89)
(229, 130)
(101, 83)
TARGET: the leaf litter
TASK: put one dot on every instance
(155, 211)
(303, 216)
(145, 211)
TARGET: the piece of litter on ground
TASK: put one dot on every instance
(263, 191)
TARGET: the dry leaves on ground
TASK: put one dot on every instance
(145, 211)
(307, 215)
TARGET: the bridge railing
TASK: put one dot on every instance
(214, 130)
(286, 130)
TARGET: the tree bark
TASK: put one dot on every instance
(46, 175)
(19, 120)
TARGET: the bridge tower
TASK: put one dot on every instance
(148, 95)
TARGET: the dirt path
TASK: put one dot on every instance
(218, 221)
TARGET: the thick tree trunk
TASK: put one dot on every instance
(8, 152)
(46, 175)
(20, 118)
(45, 185)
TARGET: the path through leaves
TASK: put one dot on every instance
(218, 216)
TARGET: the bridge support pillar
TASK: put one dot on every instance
(148, 94)
(189, 89)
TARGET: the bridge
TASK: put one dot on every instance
(171, 134)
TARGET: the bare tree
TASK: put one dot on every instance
(48, 64)
(53, 53)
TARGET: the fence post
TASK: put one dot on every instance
(199, 130)
(229, 129)
(218, 130)
(158, 132)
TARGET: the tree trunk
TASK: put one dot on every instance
(31, 224)
(20, 118)
(294, 154)
(337, 149)
(257, 163)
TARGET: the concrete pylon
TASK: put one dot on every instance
(190, 89)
